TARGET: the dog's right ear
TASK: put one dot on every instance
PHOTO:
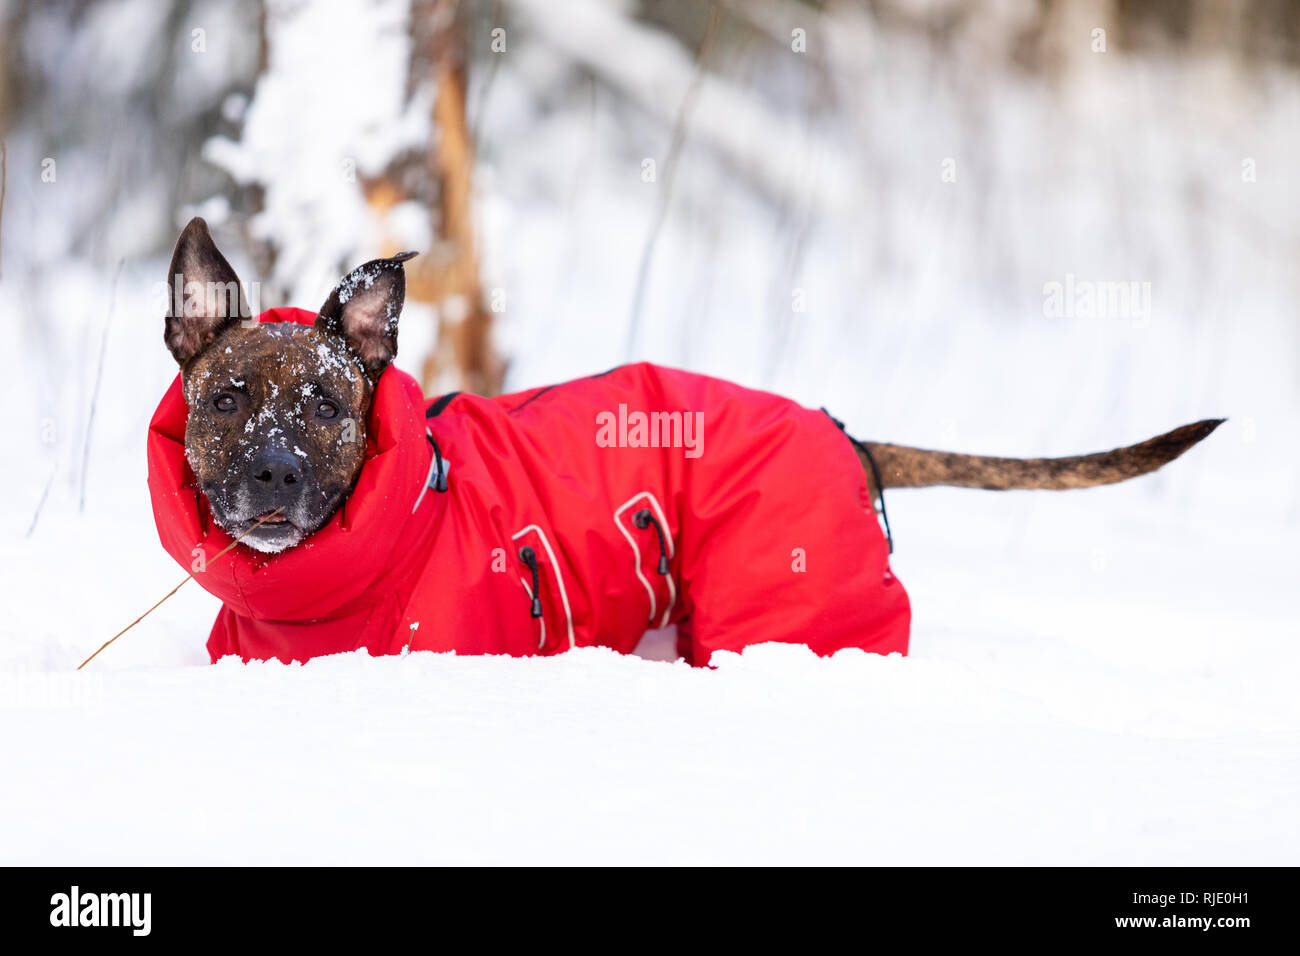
(204, 297)
(363, 310)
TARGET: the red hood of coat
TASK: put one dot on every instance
(371, 542)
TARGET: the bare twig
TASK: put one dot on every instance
(670, 168)
(265, 517)
(41, 504)
(99, 375)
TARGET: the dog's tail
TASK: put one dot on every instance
(903, 467)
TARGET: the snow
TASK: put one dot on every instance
(590, 757)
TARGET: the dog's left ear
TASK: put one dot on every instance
(363, 310)
(204, 297)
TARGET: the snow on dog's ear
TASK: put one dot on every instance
(363, 310)
(204, 297)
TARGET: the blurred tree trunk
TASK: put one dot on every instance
(448, 277)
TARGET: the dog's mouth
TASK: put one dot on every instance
(270, 524)
(271, 532)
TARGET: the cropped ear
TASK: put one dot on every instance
(204, 297)
(363, 310)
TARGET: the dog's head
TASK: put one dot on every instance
(277, 411)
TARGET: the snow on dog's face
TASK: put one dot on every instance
(277, 411)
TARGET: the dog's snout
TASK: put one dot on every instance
(277, 469)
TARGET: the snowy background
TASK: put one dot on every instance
(870, 225)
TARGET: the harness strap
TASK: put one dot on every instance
(875, 473)
(439, 405)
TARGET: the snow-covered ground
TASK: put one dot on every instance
(1096, 677)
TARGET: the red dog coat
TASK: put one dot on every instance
(573, 515)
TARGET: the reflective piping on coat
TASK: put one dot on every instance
(663, 521)
(559, 577)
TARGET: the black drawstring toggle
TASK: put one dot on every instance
(644, 519)
(529, 557)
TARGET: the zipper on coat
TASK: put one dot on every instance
(529, 557)
(644, 519)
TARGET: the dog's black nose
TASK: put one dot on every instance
(277, 469)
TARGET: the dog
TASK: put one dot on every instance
(576, 514)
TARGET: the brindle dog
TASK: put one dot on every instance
(278, 411)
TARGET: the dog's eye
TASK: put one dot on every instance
(327, 410)
(225, 403)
